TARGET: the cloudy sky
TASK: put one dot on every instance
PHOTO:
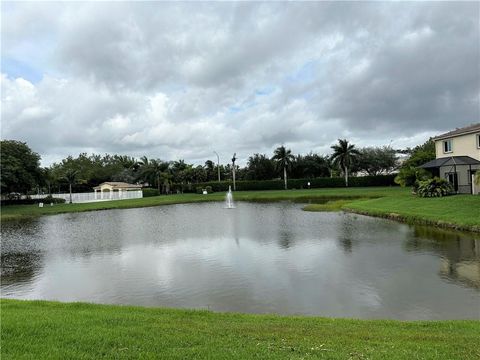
(180, 80)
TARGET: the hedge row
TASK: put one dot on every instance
(148, 192)
(360, 181)
(46, 200)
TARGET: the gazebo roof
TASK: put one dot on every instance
(119, 185)
(450, 161)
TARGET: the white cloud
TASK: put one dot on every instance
(179, 80)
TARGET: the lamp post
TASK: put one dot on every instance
(218, 165)
(233, 170)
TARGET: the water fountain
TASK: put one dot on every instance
(229, 199)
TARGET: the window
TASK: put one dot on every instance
(478, 141)
(447, 146)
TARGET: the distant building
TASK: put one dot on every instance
(114, 190)
(458, 158)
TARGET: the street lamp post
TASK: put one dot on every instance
(218, 165)
(233, 170)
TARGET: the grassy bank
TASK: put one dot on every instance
(41, 330)
(458, 212)
(461, 212)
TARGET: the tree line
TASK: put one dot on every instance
(22, 173)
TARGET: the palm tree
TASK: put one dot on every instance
(344, 154)
(283, 157)
(48, 179)
(152, 171)
(166, 180)
(71, 177)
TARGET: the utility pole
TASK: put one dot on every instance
(218, 165)
(233, 169)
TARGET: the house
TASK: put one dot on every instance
(458, 158)
(114, 190)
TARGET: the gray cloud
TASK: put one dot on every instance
(179, 80)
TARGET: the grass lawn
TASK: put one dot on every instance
(50, 330)
(459, 212)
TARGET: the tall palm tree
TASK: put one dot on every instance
(166, 180)
(344, 154)
(71, 177)
(283, 157)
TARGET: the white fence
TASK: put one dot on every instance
(98, 196)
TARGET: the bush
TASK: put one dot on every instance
(148, 192)
(199, 190)
(50, 199)
(209, 189)
(435, 187)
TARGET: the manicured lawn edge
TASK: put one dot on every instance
(44, 329)
(412, 219)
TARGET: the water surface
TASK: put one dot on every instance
(257, 258)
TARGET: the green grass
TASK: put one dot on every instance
(51, 330)
(331, 205)
(459, 212)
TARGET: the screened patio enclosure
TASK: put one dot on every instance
(458, 170)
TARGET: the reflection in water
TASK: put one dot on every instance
(19, 267)
(460, 253)
(346, 233)
(256, 258)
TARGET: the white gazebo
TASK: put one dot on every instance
(115, 190)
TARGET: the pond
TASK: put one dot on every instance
(257, 258)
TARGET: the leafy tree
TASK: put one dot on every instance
(199, 174)
(260, 167)
(125, 175)
(48, 179)
(166, 180)
(20, 167)
(310, 166)
(377, 160)
(344, 155)
(409, 172)
(210, 171)
(283, 157)
(151, 171)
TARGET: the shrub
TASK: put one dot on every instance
(209, 189)
(148, 192)
(199, 190)
(50, 199)
(435, 187)
(409, 176)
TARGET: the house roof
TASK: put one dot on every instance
(450, 161)
(459, 131)
(119, 185)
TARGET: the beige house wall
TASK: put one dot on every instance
(463, 145)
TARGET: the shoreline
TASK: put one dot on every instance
(390, 203)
